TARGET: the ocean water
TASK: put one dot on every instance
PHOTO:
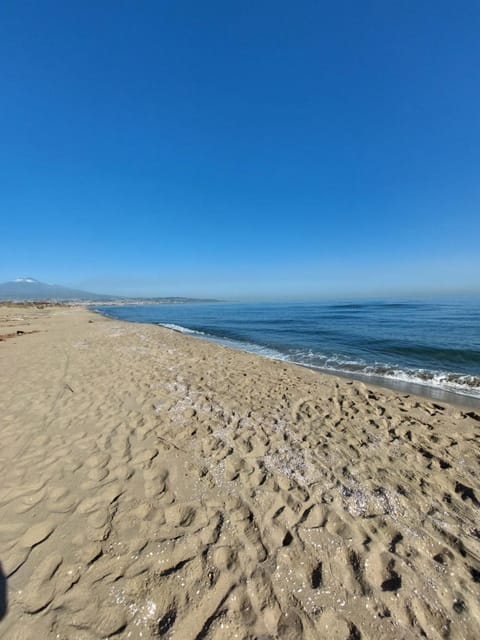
(431, 347)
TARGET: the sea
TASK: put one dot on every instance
(429, 347)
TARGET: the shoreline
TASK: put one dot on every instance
(164, 486)
(424, 391)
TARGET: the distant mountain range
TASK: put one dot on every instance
(32, 289)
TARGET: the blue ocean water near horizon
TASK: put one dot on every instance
(430, 347)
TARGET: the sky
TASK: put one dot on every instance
(241, 149)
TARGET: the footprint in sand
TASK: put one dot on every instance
(247, 531)
(180, 515)
(144, 457)
(26, 503)
(40, 589)
(155, 481)
(290, 626)
(37, 534)
(110, 621)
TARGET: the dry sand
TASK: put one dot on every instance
(158, 486)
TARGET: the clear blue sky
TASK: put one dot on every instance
(237, 149)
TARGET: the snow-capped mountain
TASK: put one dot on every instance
(25, 280)
(26, 288)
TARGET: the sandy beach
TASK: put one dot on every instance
(155, 485)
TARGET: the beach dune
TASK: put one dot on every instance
(159, 486)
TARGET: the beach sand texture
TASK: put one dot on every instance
(157, 486)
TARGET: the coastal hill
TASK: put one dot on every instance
(22, 289)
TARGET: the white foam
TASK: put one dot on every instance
(462, 385)
(249, 347)
(177, 327)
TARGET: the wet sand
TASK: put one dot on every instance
(160, 486)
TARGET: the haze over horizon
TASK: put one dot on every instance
(217, 150)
